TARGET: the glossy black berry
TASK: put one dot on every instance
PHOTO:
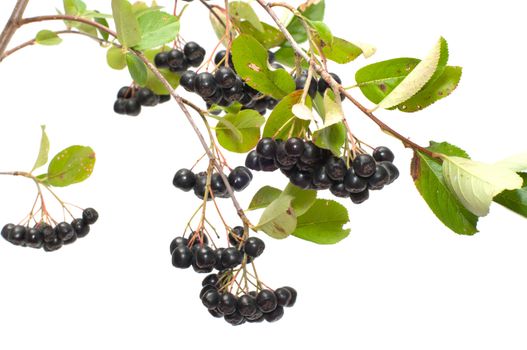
(271, 102)
(205, 85)
(205, 257)
(70, 240)
(301, 81)
(274, 315)
(293, 295)
(231, 257)
(323, 86)
(195, 62)
(283, 296)
(200, 186)
(90, 216)
(17, 235)
(187, 80)
(219, 252)
(125, 92)
(338, 190)
(236, 235)
(34, 238)
(64, 231)
(225, 77)
(266, 301)
(175, 58)
(301, 179)
(254, 247)
(383, 153)
(321, 180)
(211, 280)
(211, 299)
(217, 185)
(132, 107)
(205, 289)
(176, 242)
(311, 154)
(235, 92)
(267, 164)
(161, 60)
(220, 58)
(393, 172)
(80, 227)
(119, 106)
(164, 98)
(197, 238)
(48, 232)
(354, 183)
(246, 305)
(227, 304)
(266, 148)
(239, 178)
(336, 168)
(193, 51)
(294, 147)
(235, 319)
(364, 165)
(215, 312)
(379, 178)
(360, 197)
(53, 245)
(257, 317)
(146, 97)
(184, 179)
(182, 257)
(6, 230)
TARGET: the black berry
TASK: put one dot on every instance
(254, 247)
(90, 216)
(239, 178)
(360, 197)
(321, 180)
(119, 106)
(146, 97)
(80, 227)
(187, 80)
(211, 299)
(17, 235)
(354, 183)
(364, 165)
(274, 315)
(266, 301)
(205, 257)
(211, 280)
(236, 235)
(225, 77)
(132, 107)
(184, 179)
(266, 148)
(231, 257)
(64, 231)
(246, 305)
(205, 85)
(176, 242)
(283, 296)
(182, 257)
(193, 51)
(161, 60)
(294, 147)
(379, 178)
(393, 172)
(227, 304)
(301, 179)
(34, 238)
(6, 230)
(336, 168)
(383, 153)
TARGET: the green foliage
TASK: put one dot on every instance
(339, 50)
(265, 196)
(116, 58)
(157, 28)
(331, 137)
(47, 37)
(137, 69)
(515, 200)
(250, 60)
(102, 21)
(312, 10)
(323, 223)
(126, 23)
(43, 152)
(152, 82)
(270, 36)
(282, 122)
(429, 181)
(239, 132)
(72, 165)
(240, 10)
(286, 56)
(323, 32)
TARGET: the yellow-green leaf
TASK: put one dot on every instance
(47, 37)
(72, 165)
(43, 152)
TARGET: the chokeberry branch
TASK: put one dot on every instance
(12, 24)
(335, 85)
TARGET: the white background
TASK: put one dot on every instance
(400, 281)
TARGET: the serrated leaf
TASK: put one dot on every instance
(242, 10)
(279, 219)
(48, 38)
(428, 179)
(43, 152)
(246, 135)
(265, 196)
(269, 38)
(515, 200)
(475, 184)
(312, 10)
(127, 26)
(517, 162)
(116, 58)
(282, 122)
(157, 28)
(323, 223)
(339, 50)
(250, 60)
(417, 78)
(302, 111)
(332, 138)
(152, 82)
(72, 165)
(302, 199)
(137, 69)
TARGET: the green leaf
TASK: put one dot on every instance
(152, 82)
(282, 122)
(104, 35)
(241, 10)
(323, 223)
(157, 28)
(333, 112)
(265, 196)
(428, 179)
(43, 152)
(128, 31)
(340, 50)
(72, 165)
(418, 77)
(279, 219)
(434, 91)
(515, 200)
(286, 56)
(323, 31)
(302, 199)
(116, 58)
(74, 7)
(475, 184)
(47, 37)
(269, 38)
(331, 137)
(312, 10)
(137, 69)
(250, 60)
(246, 133)
(219, 26)
(140, 8)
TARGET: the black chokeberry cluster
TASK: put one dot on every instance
(130, 100)
(310, 167)
(252, 307)
(50, 238)
(239, 178)
(178, 61)
(224, 87)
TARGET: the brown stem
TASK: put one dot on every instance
(211, 9)
(68, 18)
(333, 84)
(13, 23)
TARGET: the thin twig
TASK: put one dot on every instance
(12, 24)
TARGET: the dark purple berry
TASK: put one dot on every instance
(293, 296)
(17, 235)
(231, 257)
(182, 257)
(360, 197)
(235, 92)
(164, 98)
(383, 153)
(274, 315)
(294, 147)
(321, 180)
(254, 247)
(161, 60)
(211, 280)
(266, 301)
(235, 319)
(301, 81)
(338, 189)
(53, 245)
(205, 257)
(193, 51)
(393, 172)
(336, 168)
(132, 107)
(80, 227)
(48, 232)
(215, 312)
(211, 299)
(177, 242)
(33, 238)
(205, 85)
(218, 253)
(301, 179)
(64, 231)
(311, 154)
(125, 92)
(323, 86)
(266, 148)
(187, 80)
(364, 165)
(239, 178)
(146, 97)
(90, 216)
(379, 178)
(119, 106)
(267, 164)
(354, 183)
(225, 77)
(184, 179)
(236, 235)
(283, 296)
(220, 58)
(6, 230)
(175, 58)
(246, 305)
(227, 304)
